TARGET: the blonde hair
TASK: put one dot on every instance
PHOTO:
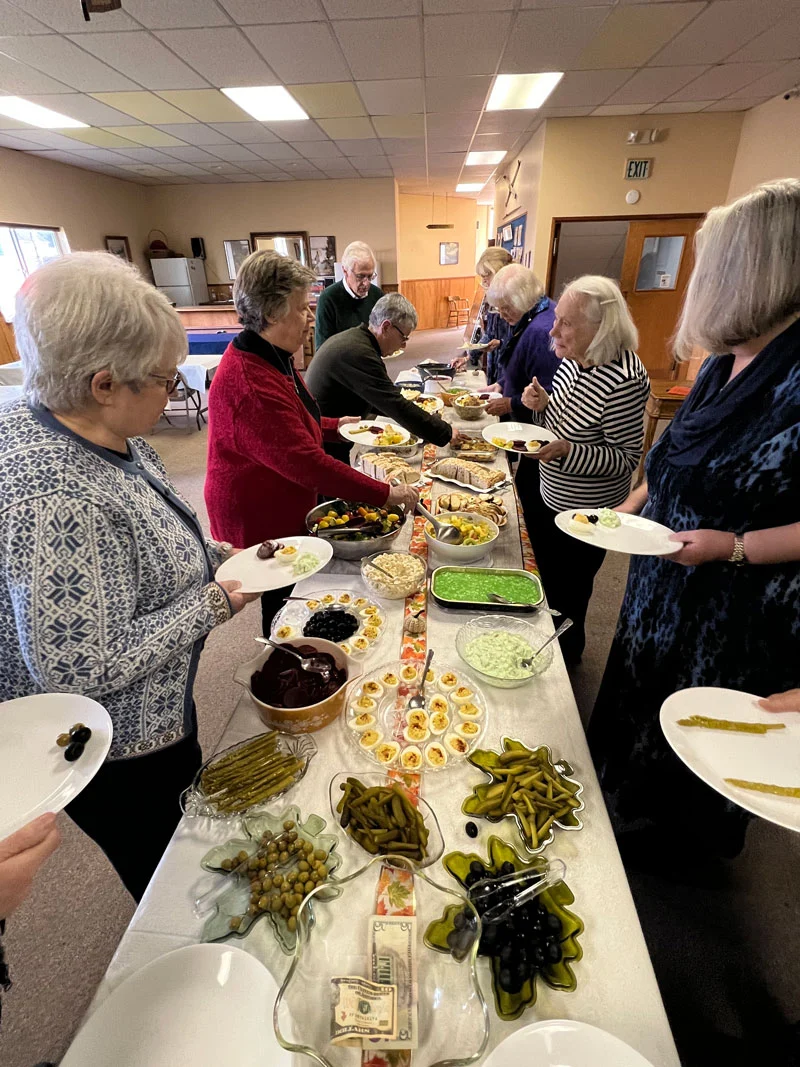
(492, 260)
(517, 286)
(601, 301)
(746, 277)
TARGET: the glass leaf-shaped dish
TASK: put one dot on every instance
(559, 975)
(234, 901)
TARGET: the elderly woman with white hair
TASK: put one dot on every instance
(107, 580)
(596, 409)
(348, 303)
(521, 301)
(724, 610)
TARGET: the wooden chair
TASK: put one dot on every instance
(458, 313)
(661, 404)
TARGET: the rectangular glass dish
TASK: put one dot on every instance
(467, 588)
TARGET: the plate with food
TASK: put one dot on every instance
(749, 755)
(518, 437)
(432, 404)
(275, 564)
(491, 507)
(379, 724)
(354, 623)
(377, 431)
(617, 532)
(53, 745)
(470, 475)
(473, 448)
(388, 467)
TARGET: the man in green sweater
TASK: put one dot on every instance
(347, 376)
(348, 303)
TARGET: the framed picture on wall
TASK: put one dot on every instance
(236, 252)
(118, 246)
(448, 253)
(323, 256)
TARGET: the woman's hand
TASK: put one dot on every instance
(455, 437)
(21, 856)
(501, 406)
(348, 420)
(492, 345)
(495, 388)
(701, 546)
(535, 397)
(555, 450)
(459, 363)
(402, 494)
(237, 599)
(788, 701)
(635, 502)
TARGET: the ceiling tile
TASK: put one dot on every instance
(579, 88)
(399, 125)
(722, 28)
(504, 121)
(186, 169)
(635, 33)
(47, 139)
(146, 107)
(404, 146)
(561, 113)
(653, 84)
(300, 168)
(723, 80)
(338, 168)
(454, 44)
(447, 160)
(327, 100)
(347, 129)
(145, 155)
(253, 12)
(75, 68)
(686, 107)
(376, 9)
(262, 166)
(7, 141)
(222, 168)
(398, 96)
(101, 138)
(375, 172)
(191, 154)
(456, 94)
(551, 39)
(235, 153)
(147, 168)
(19, 78)
(146, 135)
(326, 150)
(491, 142)
(166, 14)
(735, 104)
(621, 109)
(83, 108)
(300, 130)
(141, 57)
(244, 132)
(279, 150)
(778, 82)
(451, 144)
(381, 48)
(369, 162)
(13, 21)
(448, 7)
(67, 17)
(300, 53)
(207, 105)
(457, 125)
(195, 133)
(240, 177)
(223, 56)
(781, 41)
(360, 147)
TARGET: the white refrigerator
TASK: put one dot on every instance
(181, 280)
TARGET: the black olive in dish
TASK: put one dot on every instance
(334, 626)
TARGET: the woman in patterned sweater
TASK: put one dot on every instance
(107, 580)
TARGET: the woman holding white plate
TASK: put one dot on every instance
(596, 411)
(724, 610)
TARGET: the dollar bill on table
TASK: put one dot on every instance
(393, 952)
(362, 1009)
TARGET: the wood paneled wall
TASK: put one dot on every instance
(429, 297)
(8, 351)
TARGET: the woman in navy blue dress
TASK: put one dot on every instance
(724, 610)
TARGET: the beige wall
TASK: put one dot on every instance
(350, 209)
(87, 206)
(418, 247)
(525, 195)
(769, 146)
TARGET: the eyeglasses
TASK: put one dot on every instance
(405, 338)
(170, 384)
(362, 277)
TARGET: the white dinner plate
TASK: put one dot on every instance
(714, 755)
(517, 431)
(34, 776)
(261, 575)
(203, 1005)
(635, 537)
(564, 1043)
(434, 404)
(349, 431)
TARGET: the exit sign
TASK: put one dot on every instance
(638, 169)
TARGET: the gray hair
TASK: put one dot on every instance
(493, 260)
(264, 286)
(602, 302)
(357, 252)
(517, 286)
(399, 311)
(746, 277)
(86, 312)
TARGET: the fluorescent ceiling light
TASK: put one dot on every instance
(518, 92)
(267, 103)
(470, 187)
(35, 115)
(476, 159)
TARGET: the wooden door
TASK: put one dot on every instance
(659, 256)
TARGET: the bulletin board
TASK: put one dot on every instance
(511, 236)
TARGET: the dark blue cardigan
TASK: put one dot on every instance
(527, 354)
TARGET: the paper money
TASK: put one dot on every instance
(362, 1009)
(393, 952)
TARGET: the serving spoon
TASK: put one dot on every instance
(498, 598)
(418, 700)
(526, 664)
(443, 532)
(315, 664)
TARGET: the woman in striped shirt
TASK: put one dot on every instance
(596, 409)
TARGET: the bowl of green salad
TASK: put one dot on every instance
(494, 646)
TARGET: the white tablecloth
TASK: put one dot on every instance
(11, 373)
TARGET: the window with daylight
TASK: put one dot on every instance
(22, 250)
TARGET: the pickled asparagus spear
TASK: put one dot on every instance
(708, 723)
(762, 787)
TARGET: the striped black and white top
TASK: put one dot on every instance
(600, 411)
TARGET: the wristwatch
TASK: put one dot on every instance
(737, 556)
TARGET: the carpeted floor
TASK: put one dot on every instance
(726, 956)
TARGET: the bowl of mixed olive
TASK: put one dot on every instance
(355, 529)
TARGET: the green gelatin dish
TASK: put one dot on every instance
(474, 585)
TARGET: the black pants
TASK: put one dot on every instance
(567, 566)
(271, 604)
(131, 808)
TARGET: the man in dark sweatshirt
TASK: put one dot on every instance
(348, 303)
(347, 376)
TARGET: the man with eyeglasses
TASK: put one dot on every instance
(348, 376)
(348, 303)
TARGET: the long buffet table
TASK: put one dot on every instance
(616, 989)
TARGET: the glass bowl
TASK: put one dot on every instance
(533, 632)
(409, 783)
(462, 553)
(379, 585)
(399, 902)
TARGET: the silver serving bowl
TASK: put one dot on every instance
(353, 549)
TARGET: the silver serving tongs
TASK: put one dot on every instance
(548, 876)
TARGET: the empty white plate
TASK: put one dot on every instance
(772, 758)
(564, 1043)
(260, 575)
(201, 1006)
(635, 537)
(34, 776)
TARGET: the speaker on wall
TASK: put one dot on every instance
(198, 248)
